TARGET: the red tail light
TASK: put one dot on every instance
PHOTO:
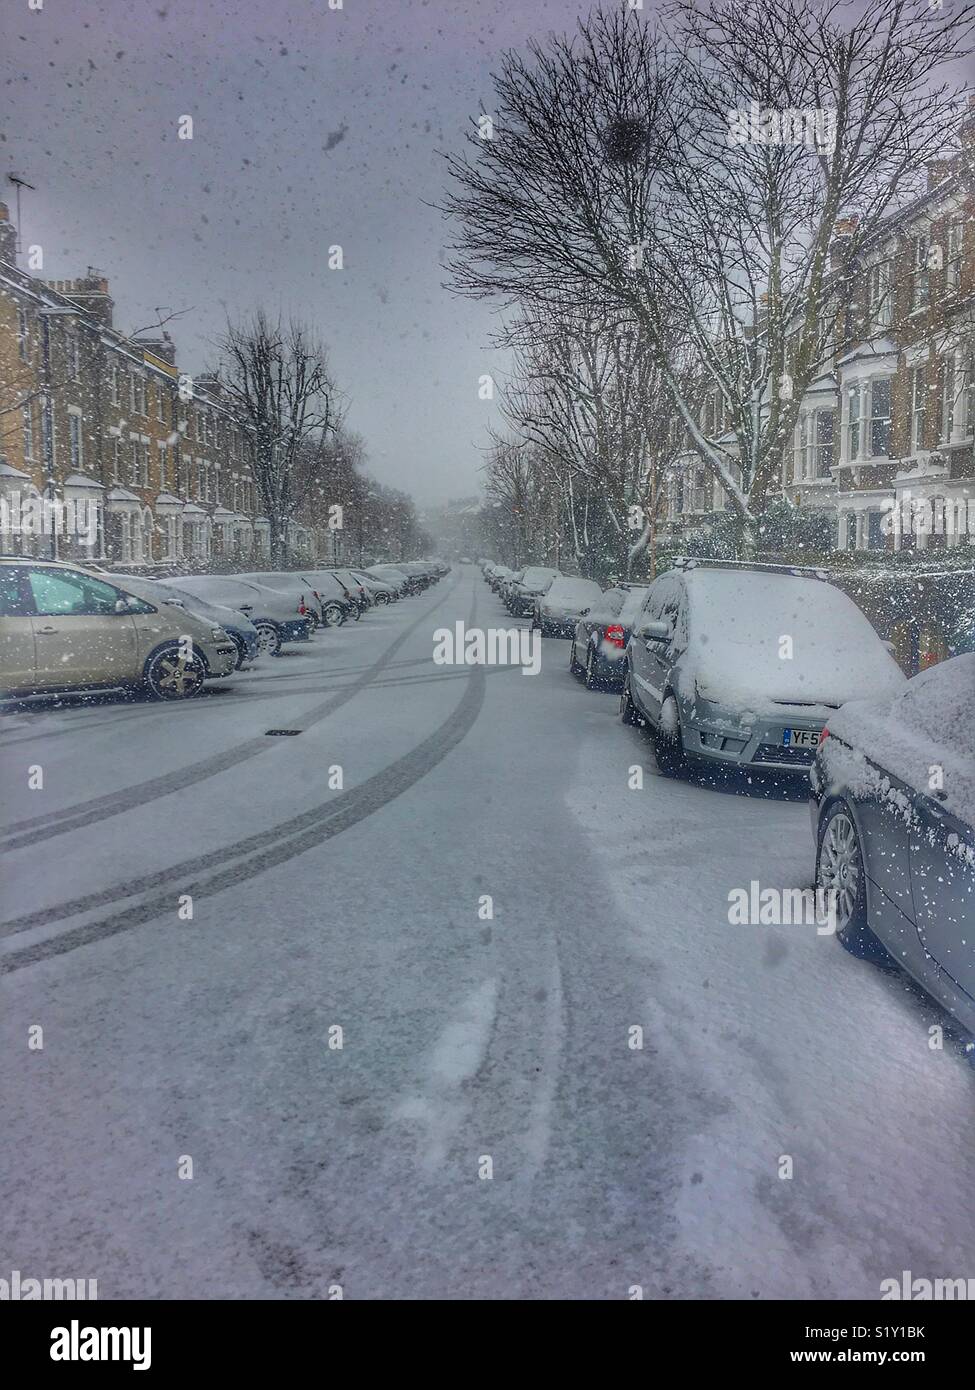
(824, 736)
(301, 605)
(615, 636)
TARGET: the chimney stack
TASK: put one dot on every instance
(90, 293)
(163, 347)
(844, 231)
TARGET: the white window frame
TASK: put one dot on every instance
(919, 405)
(76, 448)
(878, 294)
(28, 411)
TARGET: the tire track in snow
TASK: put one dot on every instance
(46, 827)
(248, 857)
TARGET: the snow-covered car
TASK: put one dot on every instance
(423, 573)
(379, 592)
(557, 611)
(357, 591)
(63, 628)
(236, 624)
(296, 586)
(521, 594)
(392, 574)
(272, 613)
(598, 650)
(893, 807)
(744, 663)
(334, 600)
(496, 575)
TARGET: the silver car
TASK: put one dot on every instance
(743, 664)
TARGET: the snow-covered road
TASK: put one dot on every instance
(465, 1039)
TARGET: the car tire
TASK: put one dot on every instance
(382, 598)
(629, 713)
(268, 639)
(668, 741)
(168, 676)
(840, 869)
(241, 651)
(333, 614)
(593, 680)
(574, 668)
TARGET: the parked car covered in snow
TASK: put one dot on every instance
(557, 611)
(296, 586)
(335, 601)
(272, 613)
(598, 650)
(63, 628)
(392, 574)
(236, 624)
(893, 808)
(379, 591)
(743, 664)
(521, 592)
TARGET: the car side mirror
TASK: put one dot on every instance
(654, 632)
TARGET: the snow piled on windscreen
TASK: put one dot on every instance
(739, 618)
(930, 724)
(570, 593)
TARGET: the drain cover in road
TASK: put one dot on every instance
(281, 733)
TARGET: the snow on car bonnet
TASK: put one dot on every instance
(930, 724)
(756, 636)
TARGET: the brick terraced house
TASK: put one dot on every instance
(159, 465)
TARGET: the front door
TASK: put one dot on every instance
(80, 637)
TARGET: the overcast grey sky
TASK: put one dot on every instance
(312, 127)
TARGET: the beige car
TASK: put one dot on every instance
(63, 627)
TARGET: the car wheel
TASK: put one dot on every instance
(356, 612)
(241, 651)
(382, 598)
(628, 710)
(593, 681)
(840, 871)
(268, 639)
(334, 614)
(171, 676)
(668, 742)
(574, 668)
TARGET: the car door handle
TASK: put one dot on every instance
(43, 630)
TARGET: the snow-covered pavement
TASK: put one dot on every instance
(465, 1039)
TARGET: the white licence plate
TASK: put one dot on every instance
(800, 738)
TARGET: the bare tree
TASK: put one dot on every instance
(278, 376)
(617, 166)
(586, 393)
